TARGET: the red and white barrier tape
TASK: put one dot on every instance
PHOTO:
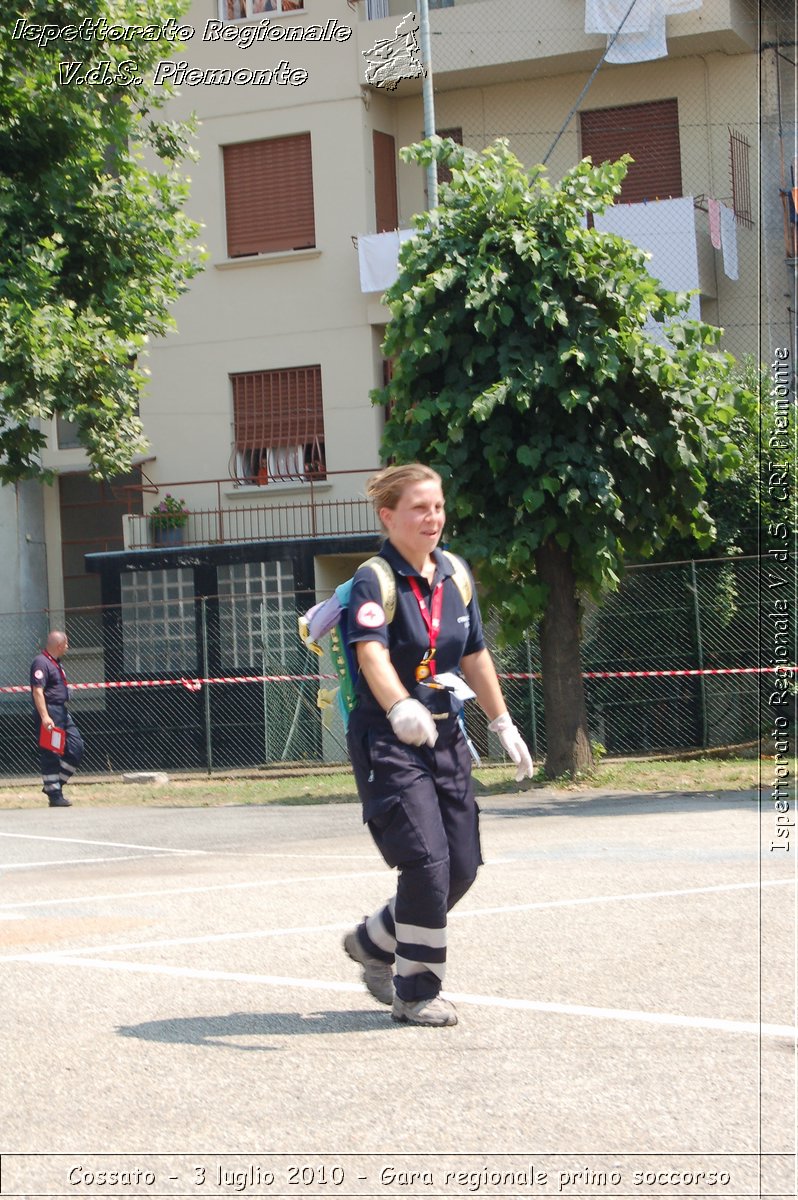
(195, 685)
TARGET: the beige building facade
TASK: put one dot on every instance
(257, 411)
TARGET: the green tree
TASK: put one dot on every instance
(737, 503)
(570, 437)
(94, 245)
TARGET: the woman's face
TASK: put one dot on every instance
(416, 524)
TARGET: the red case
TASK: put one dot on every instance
(52, 739)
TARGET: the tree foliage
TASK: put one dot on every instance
(525, 371)
(736, 502)
(94, 245)
(528, 371)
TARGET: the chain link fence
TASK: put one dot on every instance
(170, 681)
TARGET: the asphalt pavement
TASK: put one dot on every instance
(178, 1017)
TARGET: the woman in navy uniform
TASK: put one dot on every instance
(50, 694)
(411, 761)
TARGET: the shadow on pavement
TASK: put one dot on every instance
(226, 1032)
(612, 805)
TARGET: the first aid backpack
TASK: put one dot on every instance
(330, 619)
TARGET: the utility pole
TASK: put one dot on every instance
(422, 7)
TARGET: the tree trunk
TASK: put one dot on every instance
(567, 738)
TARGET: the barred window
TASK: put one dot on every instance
(278, 419)
(239, 10)
(268, 187)
(739, 165)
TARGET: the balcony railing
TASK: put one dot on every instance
(220, 512)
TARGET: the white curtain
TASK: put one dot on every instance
(377, 8)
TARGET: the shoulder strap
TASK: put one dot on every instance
(387, 581)
(461, 577)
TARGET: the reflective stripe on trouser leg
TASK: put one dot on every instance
(378, 932)
(420, 950)
(67, 770)
(421, 898)
(51, 783)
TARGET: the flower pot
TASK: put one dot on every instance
(171, 536)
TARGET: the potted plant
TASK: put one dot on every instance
(168, 520)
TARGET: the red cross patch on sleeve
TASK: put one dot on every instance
(370, 615)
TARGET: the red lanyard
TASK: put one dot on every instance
(57, 663)
(431, 619)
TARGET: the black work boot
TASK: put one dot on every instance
(58, 800)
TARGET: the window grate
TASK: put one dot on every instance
(278, 421)
(739, 163)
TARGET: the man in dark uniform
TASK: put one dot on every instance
(50, 695)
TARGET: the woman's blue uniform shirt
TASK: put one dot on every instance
(407, 637)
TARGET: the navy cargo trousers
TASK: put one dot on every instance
(418, 802)
(57, 770)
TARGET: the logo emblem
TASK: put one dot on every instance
(38, 674)
(370, 615)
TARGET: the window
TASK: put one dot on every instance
(385, 203)
(91, 522)
(278, 421)
(739, 156)
(268, 187)
(650, 133)
(456, 134)
(158, 625)
(257, 614)
(239, 10)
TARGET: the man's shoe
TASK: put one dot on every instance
(432, 1011)
(377, 975)
(58, 800)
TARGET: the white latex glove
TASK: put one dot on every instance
(412, 723)
(514, 745)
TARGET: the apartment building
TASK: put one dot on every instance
(258, 413)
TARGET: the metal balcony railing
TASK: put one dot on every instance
(223, 512)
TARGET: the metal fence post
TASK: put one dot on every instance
(533, 718)
(702, 687)
(206, 686)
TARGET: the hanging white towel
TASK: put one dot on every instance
(642, 47)
(672, 7)
(604, 16)
(378, 258)
(713, 208)
(378, 254)
(728, 241)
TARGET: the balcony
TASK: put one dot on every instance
(479, 42)
(223, 512)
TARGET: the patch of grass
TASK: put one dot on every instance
(338, 787)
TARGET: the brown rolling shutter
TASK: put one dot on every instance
(279, 411)
(269, 195)
(456, 135)
(385, 201)
(650, 133)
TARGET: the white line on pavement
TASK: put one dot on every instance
(243, 935)
(324, 985)
(80, 862)
(188, 891)
(35, 837)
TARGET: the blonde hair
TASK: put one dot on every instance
(384, 489)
